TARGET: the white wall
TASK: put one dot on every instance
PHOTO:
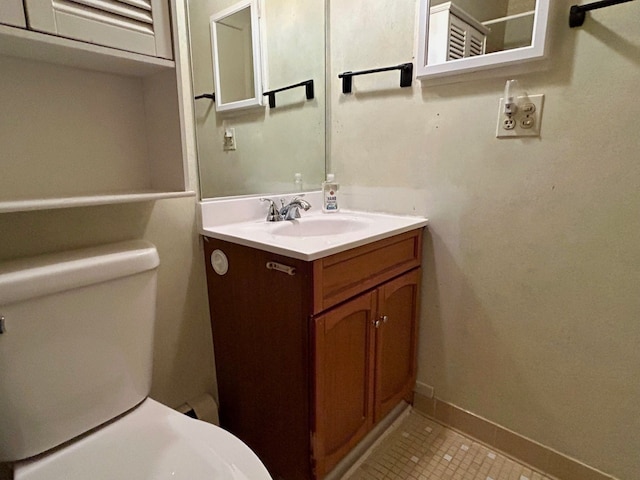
(530, 303)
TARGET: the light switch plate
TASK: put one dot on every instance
(526, 124)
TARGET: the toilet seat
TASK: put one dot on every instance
(152, 442)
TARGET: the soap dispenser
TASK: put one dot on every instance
(330, 194)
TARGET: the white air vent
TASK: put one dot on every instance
(454, 34)
(476, 45)
(141, 26)
(457, 40)
(121, 14)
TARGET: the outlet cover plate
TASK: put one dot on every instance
(521, 118)
(229, 139)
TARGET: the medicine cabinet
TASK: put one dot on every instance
(237, 57)
(463, 36)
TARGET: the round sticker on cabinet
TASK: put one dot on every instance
(219, 262)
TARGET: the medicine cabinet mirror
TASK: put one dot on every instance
(235, 37)
(463, 36)
(260, 151)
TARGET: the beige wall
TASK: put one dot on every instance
(530, 303)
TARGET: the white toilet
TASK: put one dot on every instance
(76, 339)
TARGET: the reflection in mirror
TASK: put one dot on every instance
(467, 28)
(235, 38)
(272, 145)
(467, 35)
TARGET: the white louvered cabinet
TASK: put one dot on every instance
(95, 116)
(454, 34)
(141, 26)
(12, 13)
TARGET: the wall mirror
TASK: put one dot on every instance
(237, 57)
(270, 145)
(463, 36)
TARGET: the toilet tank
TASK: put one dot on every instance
(76, 342)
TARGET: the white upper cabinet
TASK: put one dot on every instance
(12, 13)
(454, 34)
(93, 102)
(140, 26)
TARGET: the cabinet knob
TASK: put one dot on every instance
(382, 319)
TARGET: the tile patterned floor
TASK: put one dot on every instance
(420, 449)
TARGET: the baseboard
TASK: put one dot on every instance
(510, 443)
(424, 389)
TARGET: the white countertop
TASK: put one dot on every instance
(305, 238)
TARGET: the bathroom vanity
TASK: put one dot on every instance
(312, 352)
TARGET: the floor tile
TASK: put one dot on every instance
(421, 449)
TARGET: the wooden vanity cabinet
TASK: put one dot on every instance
(308, 363)
(364, 365)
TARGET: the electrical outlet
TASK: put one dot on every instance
(508, 123)
(229, 140)
(525, 122)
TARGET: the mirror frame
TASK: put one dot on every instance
(256, 45)
(536, 51)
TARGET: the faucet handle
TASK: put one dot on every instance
(301, 202)
(273, 215)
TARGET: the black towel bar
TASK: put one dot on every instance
(308, 84)
(406, 75)
(578, 13)
(210, 96)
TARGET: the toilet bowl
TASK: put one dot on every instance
(76, 332)
(150, 442)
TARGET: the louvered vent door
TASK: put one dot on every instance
(141, 26)
(464, 40)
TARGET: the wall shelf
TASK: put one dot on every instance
(88, 124)
(27, 205)
(18, 42)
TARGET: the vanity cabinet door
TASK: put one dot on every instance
(12, 13)
(343, 380)
(143, 26)
(396, 342)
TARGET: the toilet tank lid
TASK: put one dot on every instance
(51, 273)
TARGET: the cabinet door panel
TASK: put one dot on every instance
(12, 13)
(142, 28)
(396, 341)
(343, 380)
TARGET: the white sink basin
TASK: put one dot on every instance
(315, 235)
(316, 226)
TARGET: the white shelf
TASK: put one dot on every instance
(90, 125)
(18, 42)
(27, 205)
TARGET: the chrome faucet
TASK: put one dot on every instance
(273, 215)
(290, 211)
